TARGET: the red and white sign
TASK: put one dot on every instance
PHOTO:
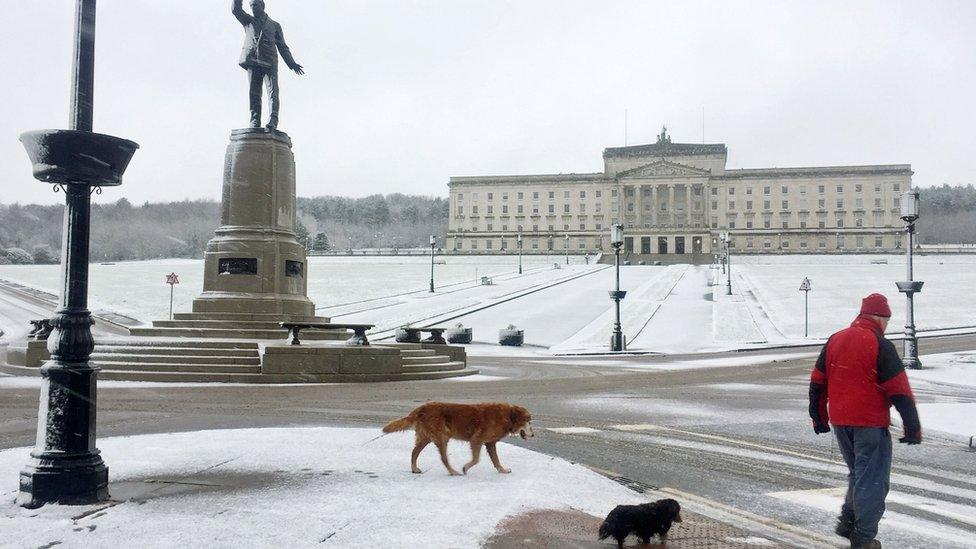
(172, 278)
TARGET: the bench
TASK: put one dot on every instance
(358, 338)
(413, 335)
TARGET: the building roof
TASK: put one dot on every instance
(665, 148)
(817, 171)
(537, 178)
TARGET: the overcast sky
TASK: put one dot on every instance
(400, 95)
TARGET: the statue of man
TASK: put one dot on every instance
(263, 41)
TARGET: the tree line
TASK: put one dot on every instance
(121, 231)
(31, 233)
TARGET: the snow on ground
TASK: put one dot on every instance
(955, 419)
(839, 283)
(321, 487)
(332, 280)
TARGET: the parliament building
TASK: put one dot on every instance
(676, 199)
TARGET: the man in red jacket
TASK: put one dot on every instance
(852, 387)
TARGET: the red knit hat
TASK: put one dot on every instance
(875, 304)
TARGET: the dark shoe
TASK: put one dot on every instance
(870, 544)
(844, 529)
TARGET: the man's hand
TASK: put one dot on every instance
(912, 437)
(820, 428)
(298, 69)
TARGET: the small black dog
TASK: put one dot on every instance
(644, 520)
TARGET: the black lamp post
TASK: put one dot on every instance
(518, 241)
(567, 249)
(433, 244)
(727, 241)
(910, 287)
(617, 340)
(65, 466)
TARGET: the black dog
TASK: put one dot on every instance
(644, 520)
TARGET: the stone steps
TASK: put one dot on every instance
(177, 367)
(180, 358)
(249, 317)
(209, 377)
(231, 353)
(226, 324)
(106, 344)
(422, 360)
(440, 367)
(239, 333)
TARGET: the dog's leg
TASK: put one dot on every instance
(493, 454)
(442, 447)
(419, 447)
(475, 457)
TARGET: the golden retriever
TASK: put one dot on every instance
(479, 424)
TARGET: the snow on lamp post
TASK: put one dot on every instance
(433, 244)
(65, 466)
(727, 241)
(617, 340)
(518, 242)
(567, 248)
(910, 287)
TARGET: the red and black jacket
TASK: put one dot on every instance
(858, 377)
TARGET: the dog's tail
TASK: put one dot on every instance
(605, 530)
(401, 424)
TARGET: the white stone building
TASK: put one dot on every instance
(676, 198)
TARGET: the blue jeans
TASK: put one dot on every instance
(867, 452)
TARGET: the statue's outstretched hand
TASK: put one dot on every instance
(298, 69)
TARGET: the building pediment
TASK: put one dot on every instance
(664, 168)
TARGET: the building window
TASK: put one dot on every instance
(786, 224)
(552, 194)
(767, 244)
(897, 202)
(504, 208)
(599, 226)
(535, 244)
(535, 196)
(803, 224)
(613, 192)
(748, 204)
(878, 242)
(821, 189)
(766, 205)
(877, 187)
(785, 189)
(840, 203)
(822, 243)
(582, 208)
(896, 187)
(748, 190)
(457, 244)
(646, 191)
(840, 222)
(535, 228)
(504, 196)
(822, 224)
(460, 210)
(731, 224)
(599, 207)
(750, 242)
(520, 210)
(520, 196)
(731, 190)
(803, 244)
(565, 194)
(748, 224)
(714, 204)
(474, 210)
(766, 223)
(535, 210)
(489, 227)
(582, 226)
(858, 188)
(859, 203)
(490, 209)
(877, 202)
(565, 208)
(504, 245)
(504, 227)
(474, 244)
(859, 241)
(582, 194)
(599, 194)
(714, 191)
(491, 196)
(803, 189)
(840, 241)
(858, 222)
(552, 208)
(840, 188)
(822, 203)
(766, 190)
(488, 244)
(786, 204)
(786, 244)
(630, 206)
(460, 197)
(697, 191)
(731, 204)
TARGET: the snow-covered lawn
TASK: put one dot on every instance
(332, 280)
(839, 283)
(301, 487)
(955, 420)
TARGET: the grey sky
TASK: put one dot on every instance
(400, 95)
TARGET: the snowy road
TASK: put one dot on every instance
(731, 434)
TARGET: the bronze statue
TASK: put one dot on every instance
(263, 41)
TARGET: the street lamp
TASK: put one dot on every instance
(518, 242)
(65, 466)
(617, 340)
(433, 244)
(910, 287)
(567, 249)
(549, 244)
(727, 240)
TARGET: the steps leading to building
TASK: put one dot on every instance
(175, 356)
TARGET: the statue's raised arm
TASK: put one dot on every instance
(238, 10)
(263, 42)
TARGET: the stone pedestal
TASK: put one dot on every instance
(254, 263)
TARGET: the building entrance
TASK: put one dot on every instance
(679, 245)
(645, 244)
(696, 245)
(662, 245)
